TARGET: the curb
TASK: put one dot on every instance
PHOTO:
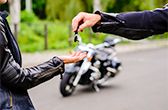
(141, 45)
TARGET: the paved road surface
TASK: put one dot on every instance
(142, 85)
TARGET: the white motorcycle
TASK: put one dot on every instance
(100, 65)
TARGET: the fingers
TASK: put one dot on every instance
(82, 26)
(76, 20)
(83, 55)
(84, 20)
(76, 53)
(79, 55)
(74, 24)
(73, 54)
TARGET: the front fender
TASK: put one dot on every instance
(71, 68)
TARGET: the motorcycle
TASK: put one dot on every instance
(100, 65)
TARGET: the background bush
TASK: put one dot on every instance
(60, 14)
(31, 36)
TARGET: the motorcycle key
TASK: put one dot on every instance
(76, 35)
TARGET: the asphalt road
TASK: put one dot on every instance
(142, 85)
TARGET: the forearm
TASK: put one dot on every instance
(12, 74)
(155, 20)
(145, 22)
(18, 78)
(3, 42)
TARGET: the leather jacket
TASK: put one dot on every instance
(15, 80)
(134, 25)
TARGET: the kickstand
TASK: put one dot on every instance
(96, 88)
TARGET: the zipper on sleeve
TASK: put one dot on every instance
(61, 76)
(47, 73)
(60, 68)
(10, 96)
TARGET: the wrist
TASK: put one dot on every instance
(98, 18)
(98, 14)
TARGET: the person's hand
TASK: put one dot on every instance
(76, 56)
(84, 20)
(3, 1)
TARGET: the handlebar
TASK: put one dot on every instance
(105, 44)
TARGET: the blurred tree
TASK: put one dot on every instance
(39, 7)
(55, 8)
(23, 6)
(14, 6)
(97, 5)
(29, 5)
(117, 6)
(88, 5)
(72, 9)
(65, 10)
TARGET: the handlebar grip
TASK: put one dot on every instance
(75, 38)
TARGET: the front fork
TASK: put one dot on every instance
(84, 67)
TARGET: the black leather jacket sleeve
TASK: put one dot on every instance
(134, 25)
(19, 79)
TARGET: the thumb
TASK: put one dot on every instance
(84, 25)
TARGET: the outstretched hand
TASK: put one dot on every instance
(84, 20)
(76, 56)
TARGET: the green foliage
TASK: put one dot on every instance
(29, 40)
(58, 35)
(88, 5)
(55, 9)
(65, 10)
(72, 9)
(158, 37)
(39, 8)
(135, 5)
(31, 36)
(28, 16)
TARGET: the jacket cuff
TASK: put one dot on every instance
(106, 19)
(57, 61)
(96, 26)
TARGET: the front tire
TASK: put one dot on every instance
(66, 86)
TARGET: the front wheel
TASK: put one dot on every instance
(66, 86)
